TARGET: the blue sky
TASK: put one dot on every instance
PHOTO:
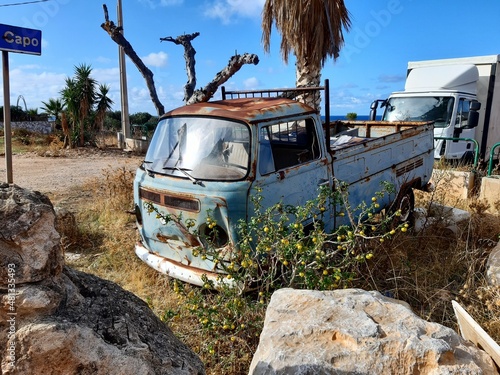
(384, 36)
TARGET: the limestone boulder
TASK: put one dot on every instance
(29, 242)
(353, 331)
(56, 320)
(493, 267)
(97, 328)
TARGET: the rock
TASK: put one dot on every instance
(55, 320)
(65, 225)
(98, 329)
(28, 238)
(493, 267)
(352, 331)
(448, 219)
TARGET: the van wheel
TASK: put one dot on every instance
(405, 203)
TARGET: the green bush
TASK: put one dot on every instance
(276, 250)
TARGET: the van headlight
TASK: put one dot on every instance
(216, 236)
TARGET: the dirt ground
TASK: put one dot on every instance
(60, 177)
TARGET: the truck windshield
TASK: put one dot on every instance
(199, 149)
(433, 108)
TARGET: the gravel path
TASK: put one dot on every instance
(57, 176)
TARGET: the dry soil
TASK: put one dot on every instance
(62, 176)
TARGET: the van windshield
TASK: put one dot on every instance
(433, 108)
(199, 149)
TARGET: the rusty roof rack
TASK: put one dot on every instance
(290, 93)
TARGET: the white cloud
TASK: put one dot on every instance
(104, 60)
(139, 100)
(156, 59)
(251, 83)
(227, 10)
(109, 77)
(42, 86)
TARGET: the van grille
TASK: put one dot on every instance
(409, 167)
(174, 201)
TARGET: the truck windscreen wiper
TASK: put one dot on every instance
(183, 171)
(149, 171)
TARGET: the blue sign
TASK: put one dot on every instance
(20, 39)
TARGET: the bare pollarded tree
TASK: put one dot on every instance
(117, 36)
(191, 95)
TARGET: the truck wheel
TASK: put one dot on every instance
(405, 203)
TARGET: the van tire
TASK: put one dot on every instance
(406, 204)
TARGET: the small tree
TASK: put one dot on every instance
(140, 118)
(104, 104)
(85, 99)
(351, 116)
(54, 107)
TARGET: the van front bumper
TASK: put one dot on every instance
(177, 270)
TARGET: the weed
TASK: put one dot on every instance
(427, 269)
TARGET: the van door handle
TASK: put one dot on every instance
(324, 181)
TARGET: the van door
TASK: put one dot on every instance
(292, 165)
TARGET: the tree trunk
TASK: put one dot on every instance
(189, 52)
(307, 76)
(65, 129)
(234, 65)
(116, 35)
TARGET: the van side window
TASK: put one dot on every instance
(462, 112)
(287, 144)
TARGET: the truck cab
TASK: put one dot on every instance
(461, 95)
(445, 95)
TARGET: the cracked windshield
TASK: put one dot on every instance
(199, 149)
(437, 109)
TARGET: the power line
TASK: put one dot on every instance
(24, 3)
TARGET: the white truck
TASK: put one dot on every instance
(461, 96)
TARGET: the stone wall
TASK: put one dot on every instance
(43, 127)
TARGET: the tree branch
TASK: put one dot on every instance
(234, 65)
(189, 52)
(117, 36)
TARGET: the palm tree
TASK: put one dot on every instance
(312, 30)
(104, 104)
(86, 95)
(32, 113)
(54, 107)
(70, 99)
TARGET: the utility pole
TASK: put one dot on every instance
(123, 81)
(6, 116)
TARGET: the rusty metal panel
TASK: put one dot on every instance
(250, 110)
(377, 129)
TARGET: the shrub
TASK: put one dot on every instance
(276, 250)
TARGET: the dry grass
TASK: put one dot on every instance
(427, 269)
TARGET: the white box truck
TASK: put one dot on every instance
(461, 96)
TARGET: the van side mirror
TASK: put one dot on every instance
(374, 106)
(373, 110)
(473, 119)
